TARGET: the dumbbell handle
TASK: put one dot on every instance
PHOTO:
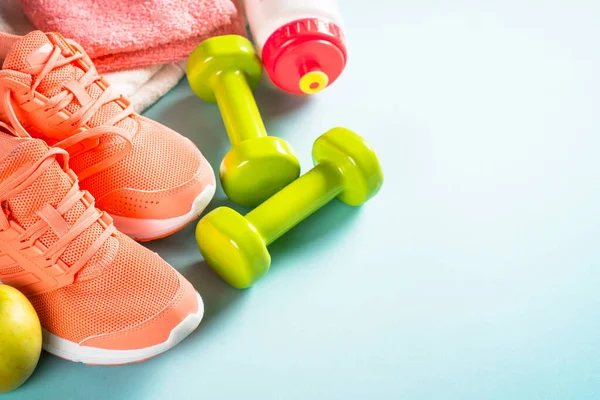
(238, 107)
(295, 202)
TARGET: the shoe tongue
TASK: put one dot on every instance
(50, 188)
(17, 153)
(34, 49)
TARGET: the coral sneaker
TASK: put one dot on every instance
(151, 180)
(101, 297)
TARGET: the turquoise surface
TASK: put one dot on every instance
(474, 273)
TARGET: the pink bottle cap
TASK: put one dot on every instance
(305, 56)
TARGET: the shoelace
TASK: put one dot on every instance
(20, 180)
(57, 104)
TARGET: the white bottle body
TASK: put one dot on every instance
(266, 16)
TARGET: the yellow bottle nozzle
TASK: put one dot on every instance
(313, 82)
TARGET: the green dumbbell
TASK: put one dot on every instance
(235, 246)
(225, 70)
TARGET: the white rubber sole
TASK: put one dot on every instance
(91, 355)
(147, 229)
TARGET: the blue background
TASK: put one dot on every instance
(472, 275)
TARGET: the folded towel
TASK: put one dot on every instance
(143, 86)
(134, 33)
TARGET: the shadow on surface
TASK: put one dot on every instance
(218, 296)
(93, 382)
(273, 102)
(44, 364)
(325, 224)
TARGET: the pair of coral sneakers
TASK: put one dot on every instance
(68, 145)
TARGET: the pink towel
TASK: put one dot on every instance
(143, 85)
(125, 34)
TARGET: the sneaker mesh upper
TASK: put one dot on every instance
(156, 148)
(122, 285)
(136, 286)
(50, 188)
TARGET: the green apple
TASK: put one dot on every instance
(20, 338)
